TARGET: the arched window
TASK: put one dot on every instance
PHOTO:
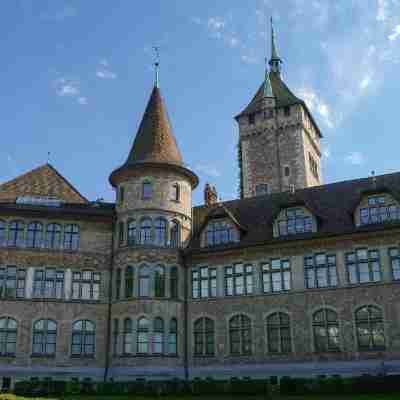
(326, 330)
(145, 231)
(3, 233)
(53, 236)
(129, 282)
(118, 282)
(144, 281)
(83, 339)
(115, 336)
(121, 234)
(132, 239)
(204, 337)
(278, 333)
(143, 336)
(71, 237)
(240, 335)
(173, 282)
(158, 336)
(370, 329)
(175, 192)
(173, 337)
(16, 234)
(35, 234)
(44, 337)
(160, 232)
(175, 234)
(128, 336)
(8, 337)
(159, 281)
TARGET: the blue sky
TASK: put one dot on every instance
(76, 76)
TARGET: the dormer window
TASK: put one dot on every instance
(147, 190)
(220, 232)
(379, 209)
(252, 119)
(294, 220)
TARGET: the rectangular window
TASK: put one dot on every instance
(238, 280)
(320, 271)
(261, 189)
(295, 221)
(147, 190)
(252, 119)
(48, 283)
(276, 276)
(286, 111)
(313, 166)
(378, 211)
(204, 282)
(394, 254)
(86, 285)
(12, 282)
(363, 266)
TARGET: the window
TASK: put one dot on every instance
(115, 336)
(16, 234)
(121, 235)
(145, 231)
(238, 280)
(268, 113)
(3, 233)
(44, 337)
(12, 282)
(121, 196)
(147, 190)
(287, 171)
(286, 111)
(128, 337)
(320, 271)
(132, 232)
(313, 166)
(326, 330)
(160, 232)
(118, 282)
(48, 283)
(221, 232)
(53, 236)
(83, 339)
(129, 282)
(158, 336)
(8, 337)
(86, 285)
(71, 237)
(204, 282)
(173, 277)
(363, 266)
(35, 234)
(175, 234)
(175, 192)
(262, 189)
(143, 336)
(159, 281)
(379, 210)
(370, 330)
(173, 337)
(278, 333)
(204, 337)
(252, 119)
(240, 335)
(294, 220)
(276, 276)
(144, 281)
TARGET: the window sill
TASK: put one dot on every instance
(83, 357)
(204, 356)
(43, 355)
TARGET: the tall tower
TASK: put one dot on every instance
(279, 140)
(154, 209)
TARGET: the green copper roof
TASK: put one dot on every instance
(267, 89)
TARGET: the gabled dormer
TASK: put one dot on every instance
(294, 220)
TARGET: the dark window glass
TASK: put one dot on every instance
(129, 282)
(132, 233)
(286, 111)
(173, 337)
(44, 337)
(175, 234)
(278, 333)
(86, 285)
(16, 234)
(53, 236)
(48, 283)
(145, 231)
(370, 328)
(3, 233)
(147, 190)
(144, 281)
(293, 221)
(240, 335)
(326, 330)
(143, 336)
(121, 234)
(320, 271)
(268, 113)
(173, 276)
(252, 119)
(8, 337)
(118, 282)
(158, 336)
(175, 192)
(159, 281)
(12, 282)
(160, 232)
(287, 171)
(71, 237)
(276, 276)
(313, 166)
(363, 266)
(379, 211)
(115, 336)
(221, 232)
(204, 282)
(128, 337)
(83, 339)
(204, 334)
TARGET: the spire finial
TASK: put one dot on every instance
(156, 66)
(275, 61)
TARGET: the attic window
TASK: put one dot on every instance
(293, 221)
(221, 232)
(379, 210)
(252, 119)
(39, 201)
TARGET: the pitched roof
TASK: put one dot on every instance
(332, 204)
(44, 181)
(155, 141)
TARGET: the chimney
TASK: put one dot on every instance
(210, 195)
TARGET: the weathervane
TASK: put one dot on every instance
(156, 64)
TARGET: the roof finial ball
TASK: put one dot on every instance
(373, 177)
(156, 66)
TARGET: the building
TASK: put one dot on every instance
(294, 278)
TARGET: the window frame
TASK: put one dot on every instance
(34, 235)
(8, 334)
(16, 233)
(284, 343)
(325, 325)
(43, 282)
(247, 277)
(94, 285)
(12, 278)
(205, 279)
(128, 339)
(143, 340)
(54, 236)
(147, 190)
(144, 276)
(204, 337)
(288, 225)
(269, 270)
(244, 335)
(44, 335)
(159, 281)
(371, 328)
(71, 240)
(84, 333)
(312, 271)
(357, 264)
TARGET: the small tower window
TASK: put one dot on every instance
(147, 192)
(268, 113)
(286, 111)
(252, 119)
(175, 192)
(287, 171)
(121, 196)
(261, 189)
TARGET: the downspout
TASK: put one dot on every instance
(108, 334)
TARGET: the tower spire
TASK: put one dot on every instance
(156, 66)
(275, 61)
(267, 82)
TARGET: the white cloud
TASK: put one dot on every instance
(326, 152)
(355, 158)
(82, 100)
(365, 82)
(249, 59)
(381, 10)
(104, 71)
(395, 34)
(216, 25)
(207, 170)
(65, 87)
